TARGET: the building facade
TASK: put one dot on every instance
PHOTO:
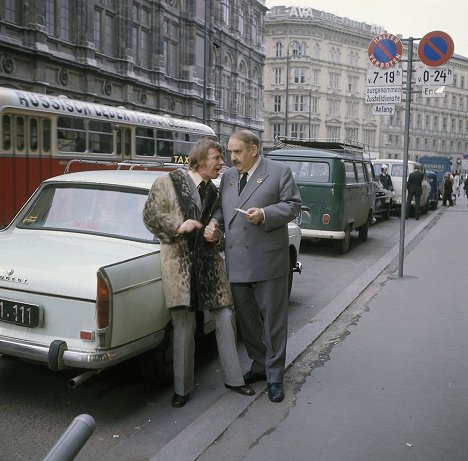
(315, 82)
(194, 59)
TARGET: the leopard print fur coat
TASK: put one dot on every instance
(193, 270)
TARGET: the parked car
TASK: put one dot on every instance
(434, 194)
(80, 277)
(395, 170)
(337, 188)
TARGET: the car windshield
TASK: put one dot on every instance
(86, 209)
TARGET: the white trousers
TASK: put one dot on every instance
(184, 323)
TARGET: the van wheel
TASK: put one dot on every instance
(156, 365)
(343, 245)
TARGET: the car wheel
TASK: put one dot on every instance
(343, 245)
(156, 365)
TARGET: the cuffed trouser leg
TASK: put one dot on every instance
(227, 349)
(184, 349)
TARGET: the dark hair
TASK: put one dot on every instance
(248, 137)
(199, 152)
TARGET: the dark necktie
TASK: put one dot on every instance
(202, 190)
(242, 182)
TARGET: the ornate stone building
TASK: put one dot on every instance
(195, 59)
(315, 81)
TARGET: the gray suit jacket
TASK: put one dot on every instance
(258, 252)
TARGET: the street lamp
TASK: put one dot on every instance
(296, 52)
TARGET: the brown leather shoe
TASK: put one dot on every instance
(243, 390)
(179, 401)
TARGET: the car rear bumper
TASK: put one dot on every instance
(57, 355)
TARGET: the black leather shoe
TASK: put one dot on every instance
(179, 401)
(243, 390)
(252, 377)
(275, 392)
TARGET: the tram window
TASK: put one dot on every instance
(101, 137)
(33, 134)
(19, 121)
(124, 144)
(144, 138)
(165, 148)
(70, 134)
(6, 132)
(46, 135)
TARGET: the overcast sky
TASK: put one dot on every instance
(410, 18)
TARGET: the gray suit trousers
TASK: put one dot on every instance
(262, 313)
(184, 348)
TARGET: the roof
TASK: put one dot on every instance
(130, 178)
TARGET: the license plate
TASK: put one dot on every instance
(26, 315)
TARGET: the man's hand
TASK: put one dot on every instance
(189, 226)
(254, 215)
(212, 232)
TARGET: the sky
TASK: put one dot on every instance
(410, 18)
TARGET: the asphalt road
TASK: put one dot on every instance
(134, 419)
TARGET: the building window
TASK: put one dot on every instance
(10, 11)
(314, 101)
(334, 80)
(298, 104)
(65, 20)
(352, 134)
(333, 133)
(299, 75)
(279, 50)
(277, 75)
(334, 107)
(226, 94)
(316, 52)
(254, 96)
(276, 130)
(353, 83)
(352, 108)
(369, 137)
(242, 17)
(226, 12)
(171, 48)
(277, 104)
(316, 77)
(241, 89)
(141, 36)
(297, 130)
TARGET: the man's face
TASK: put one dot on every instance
(242, 156)
(210, 168)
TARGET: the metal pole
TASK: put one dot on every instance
(287, 94)
(72, 440)
(205, 62)
(409, 77)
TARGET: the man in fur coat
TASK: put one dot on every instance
(179, 212)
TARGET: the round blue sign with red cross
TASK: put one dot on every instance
(385, 51)
(435, 48)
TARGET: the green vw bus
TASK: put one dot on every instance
(336, 182)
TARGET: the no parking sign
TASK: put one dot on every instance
(385, 51)
(435, 48)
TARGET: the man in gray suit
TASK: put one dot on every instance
(258, 199)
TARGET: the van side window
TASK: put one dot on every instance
(361, 174)
(350, 173)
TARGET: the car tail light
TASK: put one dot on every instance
(102, 302)
(326, 218)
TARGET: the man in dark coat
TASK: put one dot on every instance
(447, 190)
(179, 210)
(414, 189)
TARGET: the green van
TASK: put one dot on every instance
(336, 181)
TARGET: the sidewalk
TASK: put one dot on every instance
(387, 381)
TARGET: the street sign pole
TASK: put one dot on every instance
(409, 77)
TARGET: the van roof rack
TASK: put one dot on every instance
(347, 146)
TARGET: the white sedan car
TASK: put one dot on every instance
(80, 277)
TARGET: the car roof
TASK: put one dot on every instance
(130, 178)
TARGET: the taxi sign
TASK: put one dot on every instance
(435, 48)
(385, 51)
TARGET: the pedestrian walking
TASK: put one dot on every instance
(447, 190)
(414, 189)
